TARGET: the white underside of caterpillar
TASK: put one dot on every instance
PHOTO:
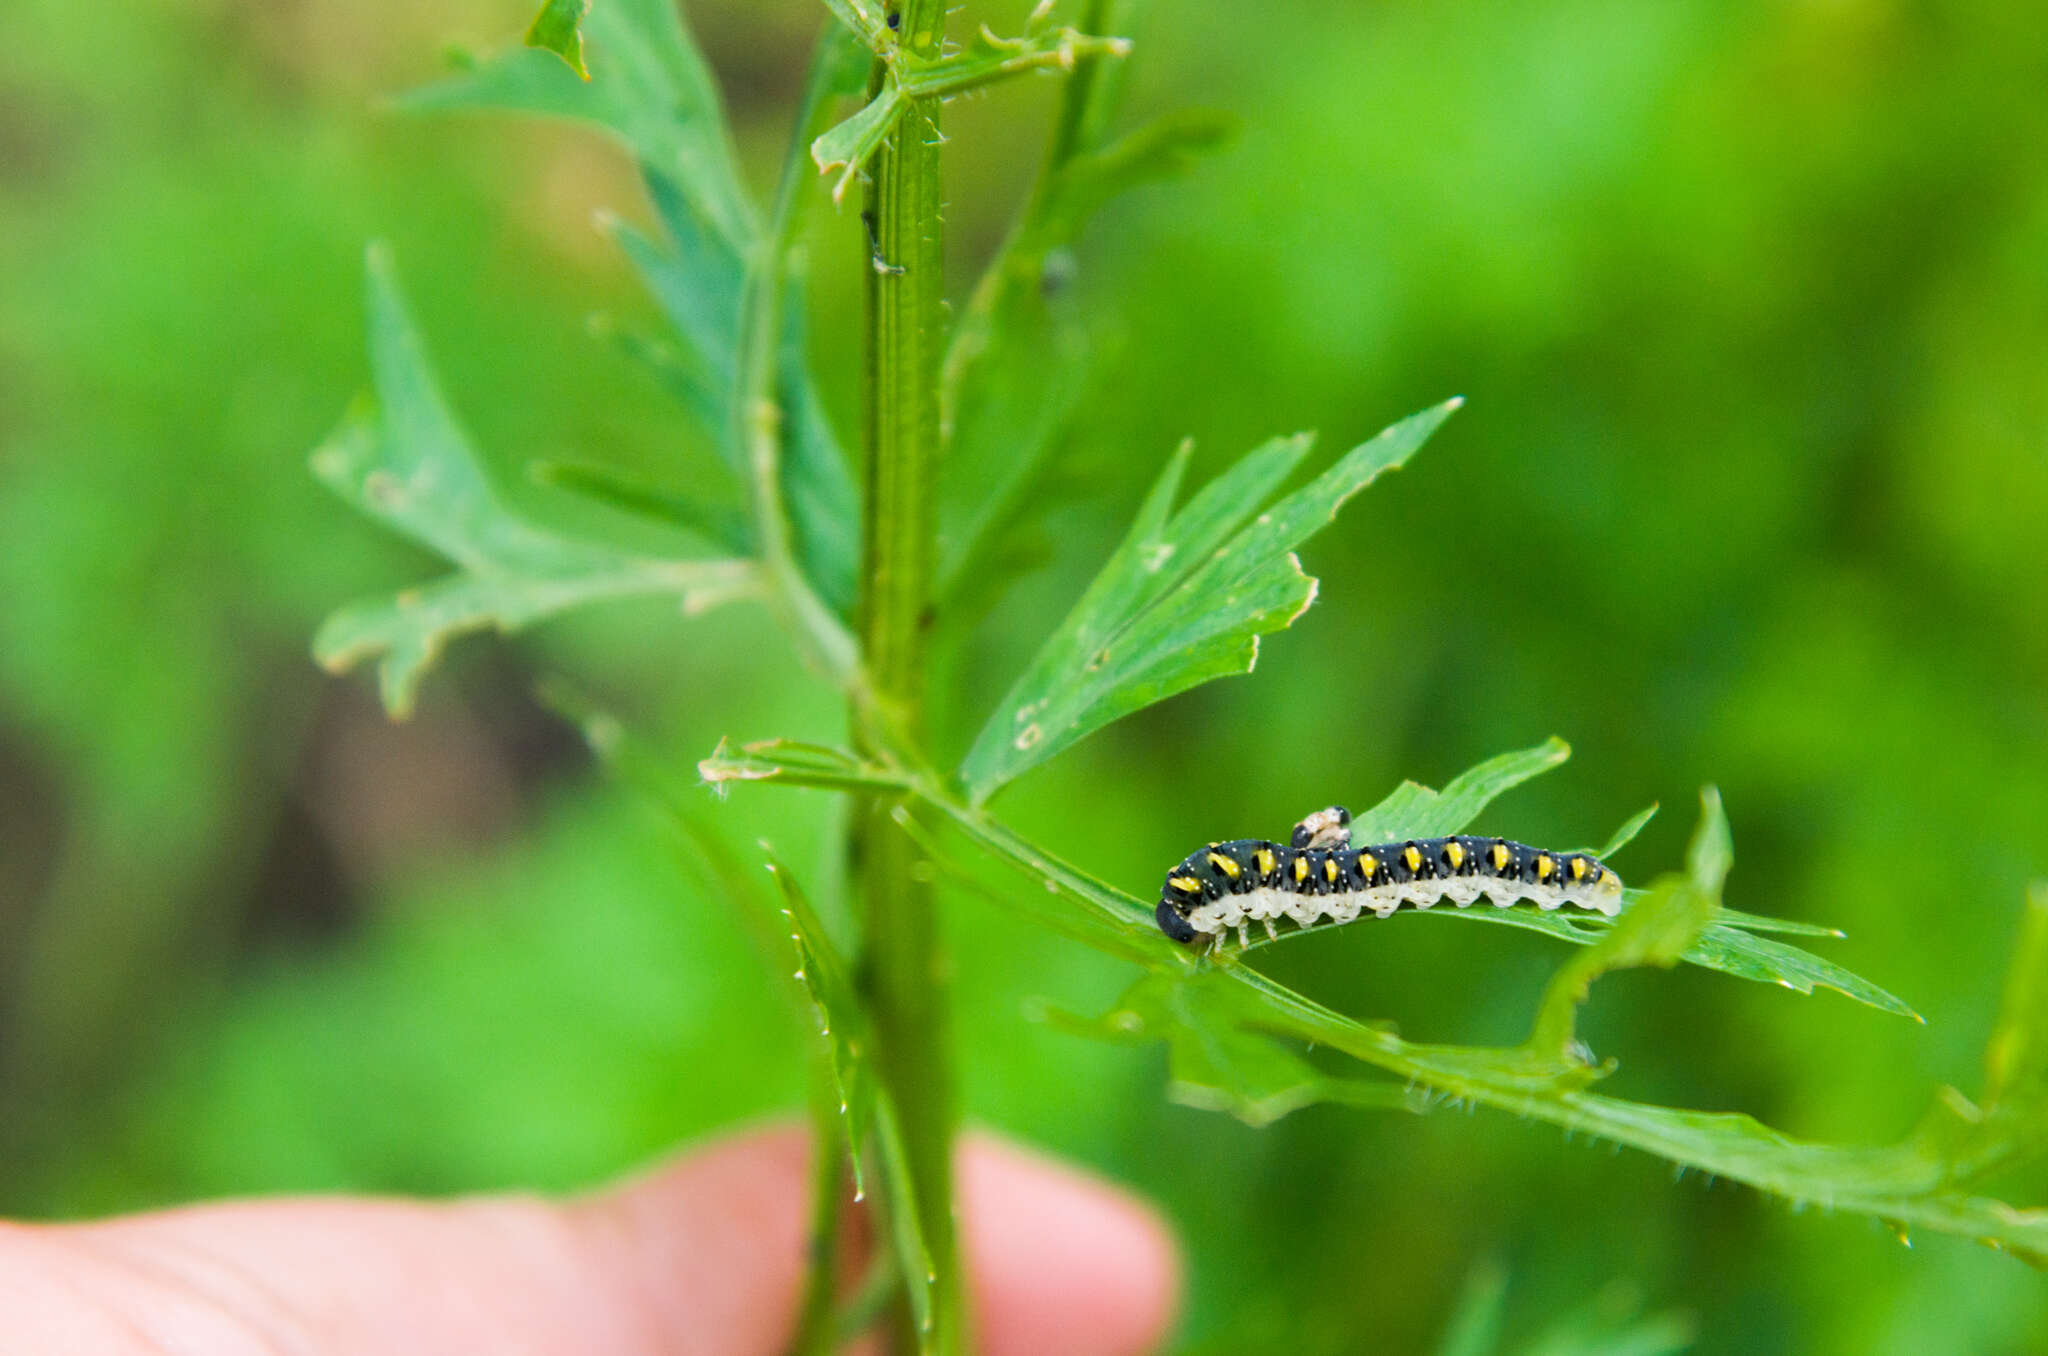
(1267, 904)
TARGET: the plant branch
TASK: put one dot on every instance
(902, 970)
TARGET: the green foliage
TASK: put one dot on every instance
(1608, 1325)
(1232, 1032)
(407, 462)
(986, 59)
(1184, 599)
(558, 28)
(1735, 571)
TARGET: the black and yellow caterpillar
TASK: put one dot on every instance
(1320, 874)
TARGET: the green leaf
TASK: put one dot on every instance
(866, 19)
(817, 483)
(1737, 952)
(651, 89)
(1657, 928)
(843, 1025)
(1181, 601)
(697, 281)
(1755, 922)
(913, 1254)
(1019, 361)
(2016, 1058)
(1165, 148)
(1920, 1181)
(558, 29)
(1723, 946)
(1475, 1325)
(1915, 1182)
(1624, 835)
(1414, 811)
(848, 146)
(988, 58)
(1215, 1064)
(408, 463)
(719, 524)
(797, 764)
(786, 925)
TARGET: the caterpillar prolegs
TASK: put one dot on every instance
(1321, 875)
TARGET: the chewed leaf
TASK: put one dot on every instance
(1183, 600)
(408, 463)
(558, 28)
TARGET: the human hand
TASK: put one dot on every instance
(704, 1254)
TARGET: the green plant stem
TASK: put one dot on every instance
(759, 411)
(902, 969)
(816, 1333)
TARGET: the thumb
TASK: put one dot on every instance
(704, 1254)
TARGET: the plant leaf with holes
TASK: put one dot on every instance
(406, 461)
(1183, 600)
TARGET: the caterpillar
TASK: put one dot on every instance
(1319, 873)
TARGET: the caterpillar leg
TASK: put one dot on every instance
(1243, 936)
(1272, 933)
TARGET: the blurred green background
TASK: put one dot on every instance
(1751, 305)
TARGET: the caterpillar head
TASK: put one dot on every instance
(1606, 892)
(1329, 828)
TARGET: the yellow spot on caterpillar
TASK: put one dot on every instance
(1413, 858)
(1501, 856)
(1330, 869)
(1225, 865)
(1578, 868)
(1187, 885)
(1300, 870)
(1264, 857)
(1544, 866)
(1454, 854)
(1367, 864)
